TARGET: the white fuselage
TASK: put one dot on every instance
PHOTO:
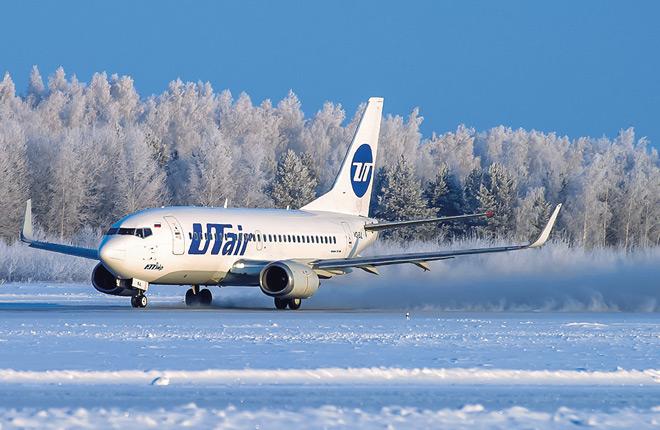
(195, 245)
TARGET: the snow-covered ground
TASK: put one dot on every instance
(73, 358)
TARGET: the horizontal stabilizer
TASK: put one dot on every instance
(397, 224)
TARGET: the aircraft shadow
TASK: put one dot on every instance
(86, 307)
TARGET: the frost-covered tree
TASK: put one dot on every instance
(497, 193)
(398, 137)
(10, 103)
(532, 214)
(323, 134)
(211, 181)
(445, 198)
(75, 185)
(140, 183)
(13, 178)
(444, 193)
(400, 198)
(292, 121)
(294, 184)
(36, 87)
(92, 151)
(471, 190)
(456, 149)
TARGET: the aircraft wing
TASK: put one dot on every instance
(26, 236)
(396, 224)
(420, 258)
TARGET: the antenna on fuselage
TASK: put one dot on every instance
(226, 201)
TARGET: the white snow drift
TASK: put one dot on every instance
(336, 376)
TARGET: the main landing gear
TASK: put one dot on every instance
(139, 301)
(293, 304)
(197, 297)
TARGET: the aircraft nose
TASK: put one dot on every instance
(109, 251)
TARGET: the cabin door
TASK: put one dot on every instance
(178, 242)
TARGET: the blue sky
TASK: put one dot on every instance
(575, 67)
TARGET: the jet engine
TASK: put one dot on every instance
(105, 282)
(288, 280)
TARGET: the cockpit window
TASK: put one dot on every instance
(139, 232)
(143, 232)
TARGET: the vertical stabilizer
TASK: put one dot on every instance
(351, 192)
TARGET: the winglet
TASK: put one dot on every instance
(543, 237)
(26, 232)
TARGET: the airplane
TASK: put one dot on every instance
(284, 252)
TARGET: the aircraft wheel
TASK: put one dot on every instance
(280, 303)
(192, 299)
(294, 304)
(205, 297)
(139, 301)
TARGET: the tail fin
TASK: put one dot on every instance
(351, 192)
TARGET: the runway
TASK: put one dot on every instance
(71, 355)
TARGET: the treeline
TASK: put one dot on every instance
(89, 153)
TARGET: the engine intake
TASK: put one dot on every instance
(288, 280)
(106, 283)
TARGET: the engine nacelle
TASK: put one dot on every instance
(106, 283)
(288, 280)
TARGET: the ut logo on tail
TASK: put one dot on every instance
(362, 168)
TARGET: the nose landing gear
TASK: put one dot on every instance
(197, 297)
(139, 301)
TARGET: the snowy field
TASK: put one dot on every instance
(73, 358)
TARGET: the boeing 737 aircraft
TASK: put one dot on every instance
(283, 252)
